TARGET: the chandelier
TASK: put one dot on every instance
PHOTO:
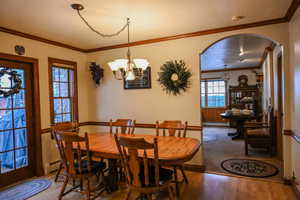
(123, 69)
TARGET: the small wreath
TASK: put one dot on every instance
(15, 77)
(174, 77)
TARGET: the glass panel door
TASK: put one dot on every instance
(15, 122)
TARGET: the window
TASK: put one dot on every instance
(63, 91)
(213, 93)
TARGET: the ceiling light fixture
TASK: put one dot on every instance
(123, 69)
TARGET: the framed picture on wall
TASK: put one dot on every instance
(139, 83)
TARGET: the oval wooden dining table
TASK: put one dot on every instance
(171, 150)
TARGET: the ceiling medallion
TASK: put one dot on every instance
(123, 69)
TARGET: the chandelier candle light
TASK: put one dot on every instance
(123, 69)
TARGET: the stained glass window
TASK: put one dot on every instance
(62, 96)
(213, 93)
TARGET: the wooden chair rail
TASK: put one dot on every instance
(137, 125)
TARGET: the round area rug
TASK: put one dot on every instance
(250, 168)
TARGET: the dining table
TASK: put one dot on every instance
(171, 151)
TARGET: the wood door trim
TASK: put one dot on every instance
(288, 16)
(38, 165)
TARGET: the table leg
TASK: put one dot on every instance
(240, 131)
(113, 176)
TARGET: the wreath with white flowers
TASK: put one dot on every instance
(174, 77)
(16, 81)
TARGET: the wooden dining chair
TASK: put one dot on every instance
(78, 165)
(63, 126)
(262, 134)
(143, 175)
(125, 126)
(177, 129)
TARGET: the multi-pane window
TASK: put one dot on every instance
(13, 124)
(63, 95)
(213, 93)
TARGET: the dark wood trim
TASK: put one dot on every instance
(230, 69)
(193, 34)
(138, 125)
(287, 132)
(52, 61)
(45, 130)
(288, 16)
(292, 9)
(38, 165)
(40, 39)
(265, 54)
(194, 168)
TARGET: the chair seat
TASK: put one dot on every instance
(164, 175)
(95, 165)
(258, 133)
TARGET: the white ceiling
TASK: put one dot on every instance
(55, 20)
(238, 51)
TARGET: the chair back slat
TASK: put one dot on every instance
(125, 126)
(70, 148)
(173, 128)
(135, 160)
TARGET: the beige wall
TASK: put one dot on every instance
(42, 51)
(295, 91)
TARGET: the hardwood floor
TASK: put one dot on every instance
(202, 186)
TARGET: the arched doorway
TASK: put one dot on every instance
(222, 64)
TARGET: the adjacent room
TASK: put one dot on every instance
(149, 99)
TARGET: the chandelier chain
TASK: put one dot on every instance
(102, 34)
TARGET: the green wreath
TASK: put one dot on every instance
(15, 77)
(174, 77)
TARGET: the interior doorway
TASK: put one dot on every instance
(20, 145)
(235, 79)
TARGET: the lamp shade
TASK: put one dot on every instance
(141, 63)
(118, 64)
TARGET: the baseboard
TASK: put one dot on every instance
(295, 189)
(194, 168)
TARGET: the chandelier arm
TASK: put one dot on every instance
(102, 34)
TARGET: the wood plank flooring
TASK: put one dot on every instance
(202, 186)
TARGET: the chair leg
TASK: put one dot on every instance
(88, 189)
(171, 193)
(62, 191)
(128, 195)
(58, 171)
(176, 181)
(246, 148)
(149, 196)
(184, 175)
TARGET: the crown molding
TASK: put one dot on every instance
(230, 69)
(288, 16)
(40, 39)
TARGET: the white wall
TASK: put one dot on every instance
(295, 91)
(42, 51)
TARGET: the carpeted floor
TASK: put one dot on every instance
(218, 146)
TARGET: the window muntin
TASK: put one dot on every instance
(213, 93)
